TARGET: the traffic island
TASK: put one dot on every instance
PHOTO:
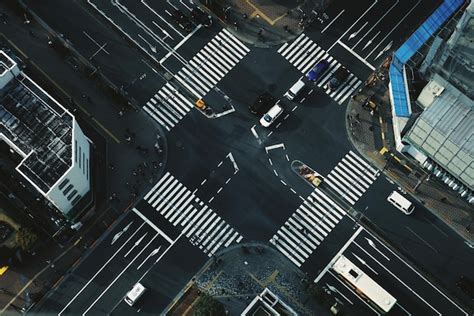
(240, 274)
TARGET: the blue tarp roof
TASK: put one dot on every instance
(411, 46)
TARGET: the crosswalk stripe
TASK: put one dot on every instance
(298, 244)
(325, 222)
(290, 51)
(232, 238)
(236, 41)
(182, 215)
(287, 254)
(304, 54)
(181, 205)
(363, 162)
(347, 184)
(328, 203)
(303, 218)
(221, 241)
(325, 210)
(152, 191)
(332, 184)
(321, 226)
(362, 184)
(155, 195)
(152, 114)
(167, 187)
(290, 245)
(171, 206)
(356, 185)
(212, 74)
(217, 237)
(350, 165)
(198, 222)
(205, 71)
(301, 52)
(218, 69)
(205, 212)
(308, 241)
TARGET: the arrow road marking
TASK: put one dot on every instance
(154, 252)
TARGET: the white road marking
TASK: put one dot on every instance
(356, 55)
(328, 266)
(397, 278)
(383, 39)
(334, 20)
(119, 275)
(268, 148)
(344, 34)
(146, 220)
(100, 270)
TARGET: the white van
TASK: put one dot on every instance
(400, 202)
(272, 114)
(295, 90)
(134, 294)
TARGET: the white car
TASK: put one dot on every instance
(272, 114)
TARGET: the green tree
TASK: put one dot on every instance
(208, 306)
(25, 238)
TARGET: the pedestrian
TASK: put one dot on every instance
(120, 113)
(244, 15)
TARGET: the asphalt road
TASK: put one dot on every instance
(228, 180)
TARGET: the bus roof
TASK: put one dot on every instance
(364, 283)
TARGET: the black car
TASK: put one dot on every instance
(263, 103)
(200, 17)
(339, 77)
(182, 20)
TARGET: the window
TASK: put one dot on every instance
(76, 199)
(353, 273)
(75, 151)
(79, 157)
(69, 187)
(87, 169)
(70, 196)
(83, 163)
(62, 184)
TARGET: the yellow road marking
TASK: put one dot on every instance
(383, 150)
(262, 14)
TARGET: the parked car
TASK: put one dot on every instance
(339, 77)
(318, 70)
(201, 17)
(182, 20)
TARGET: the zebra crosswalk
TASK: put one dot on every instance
(351, 177)
(168, 106)
(199, 223)
(303, 53)
(306, 229)
(211, 63)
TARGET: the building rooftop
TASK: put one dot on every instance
(268, 304)
(37, 127)
(445, 131)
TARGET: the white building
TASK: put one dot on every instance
(55, 151)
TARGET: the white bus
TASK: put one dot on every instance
(134, 294)
(363, 284)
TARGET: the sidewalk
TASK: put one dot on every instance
(26, 284)
(241, 272)
(267, 23)
(372, 135)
